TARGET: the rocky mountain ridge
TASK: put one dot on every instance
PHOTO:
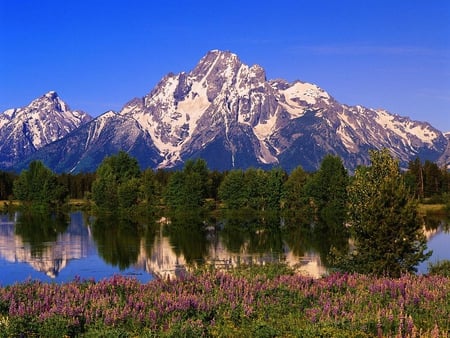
(25, 130)
(229, 114)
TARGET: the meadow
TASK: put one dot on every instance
(268, 301)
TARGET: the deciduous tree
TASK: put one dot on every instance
(38, 185)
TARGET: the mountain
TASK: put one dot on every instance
(86, 147)
(25, 130)
(229, 114)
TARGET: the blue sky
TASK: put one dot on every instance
(100, 54)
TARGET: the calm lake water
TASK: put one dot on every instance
(59, 249)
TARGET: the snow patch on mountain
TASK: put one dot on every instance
(265, 128)
(404, 129)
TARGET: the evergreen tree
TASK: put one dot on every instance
(383, 219)
(433, 179)
(414, 177)
(150, 190)
(275, 188)
(294, 191)
(327, 194)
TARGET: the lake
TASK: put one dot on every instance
(60, 248)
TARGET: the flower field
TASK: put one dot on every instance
(239, 303)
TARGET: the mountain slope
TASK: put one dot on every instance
(229, 114)
(85, 148)
(25, 130)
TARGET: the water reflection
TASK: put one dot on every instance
(45, 241)
(61, 247)
(118, 240)
(187, 236)
(39, 229)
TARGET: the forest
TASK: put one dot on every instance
(120, 181)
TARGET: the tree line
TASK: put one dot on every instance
(376, 206)
(195, 184)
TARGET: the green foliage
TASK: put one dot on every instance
(231, 190)
(275, 188)
(294, 193)
(79, 185)
(254, 188)
(113, 172)
(327, 194)
(104, 189)
(426, 179)
(151, 188)
(187, 189)
(6, 184)
(383, 220)
(39, 185)
(255, 181)
(441, 268)
(128, 193)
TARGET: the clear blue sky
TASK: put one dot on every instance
(99, 54)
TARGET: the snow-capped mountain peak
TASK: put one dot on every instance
(224, 101)
(44, 120)
(225, 112)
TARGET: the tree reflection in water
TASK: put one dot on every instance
(249, 232)
(118, 239)
(40, 229)
(187, 235)
(319, 238)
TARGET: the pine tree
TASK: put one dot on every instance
(383, 219)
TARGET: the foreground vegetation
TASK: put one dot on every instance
(248, 302)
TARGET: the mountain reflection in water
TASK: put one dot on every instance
(59, 248)
(63, 247)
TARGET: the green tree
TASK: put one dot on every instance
(414, 177)
(78, 185)
(231, 191)
(39, 186)
(187, 189)
(255, 183)
(113, 172)
(151, 189)
(328, 195)
(433, 179)
(275, 188)
(128, 193)
(384, 223)
(294, 191)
